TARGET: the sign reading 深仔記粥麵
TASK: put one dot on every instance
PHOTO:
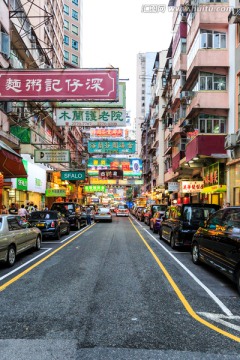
(59, 84)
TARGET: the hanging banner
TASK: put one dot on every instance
(112, 147)
(51, 156)
(109, 133)
(94, 188)
(59, 84)
(73, 175)
(110, 174)
(90, 117)
(131, 167)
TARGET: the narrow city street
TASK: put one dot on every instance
(115, 291)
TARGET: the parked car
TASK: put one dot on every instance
(140, 214)
(156, 221)
(16, 237)
(122, 210)
(51, 223)
(138, 211)
(72, 213)
(183, 221)
(151, 211)
(217, 243)
(103, 213)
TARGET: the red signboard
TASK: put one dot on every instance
(59, 84)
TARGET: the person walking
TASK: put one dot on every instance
(23, 212)
(88, 213)
(4, 210)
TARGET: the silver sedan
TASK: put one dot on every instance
(103, 213)
(17, 236)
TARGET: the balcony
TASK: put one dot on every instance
(205, 145)
(208, 58)
(215, 100)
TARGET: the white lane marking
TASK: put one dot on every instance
(208, 291)
(25, 264)
(219, 318)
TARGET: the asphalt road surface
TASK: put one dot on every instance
(115, 291)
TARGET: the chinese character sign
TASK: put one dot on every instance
(131, 167)
(90, 117)
(191, 186)
(214, 175)
(64, 84)
(112, 147)
(94, 188)
(110, 174)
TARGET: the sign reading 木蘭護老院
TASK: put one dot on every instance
(73, 175)
(59, 84)
(51, 156)
(121, 103)
(90, 117)
(111, 147)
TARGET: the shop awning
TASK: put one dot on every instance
(214, 189)
(11, 165)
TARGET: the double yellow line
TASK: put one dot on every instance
(180, 294)
(19, 276)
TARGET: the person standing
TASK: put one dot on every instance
(13, 209)
(88, 213)
(23, 212)
(4, 210)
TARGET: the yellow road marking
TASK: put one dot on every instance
(180, 294)
(5, 285)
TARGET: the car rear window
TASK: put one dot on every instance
(42, 215)
(122, 207)
(191, 213)
(159, 208)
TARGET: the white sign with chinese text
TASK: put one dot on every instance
(90, 117)
(173, 186)
(191, 186)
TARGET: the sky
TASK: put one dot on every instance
(115, 31)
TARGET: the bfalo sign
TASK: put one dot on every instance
(59, 84)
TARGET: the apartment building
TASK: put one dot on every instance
(196, 92)
(32, 37)
(143, 94)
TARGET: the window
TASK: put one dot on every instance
(75, 14)
(66, 55)
(66, 40)
(212, 81)
(75, 2)
(75, 44)
(75, 29)
(66, 9)
(210, 124)
(66, 24)
(13, 224)
(75, 59)
(212, 39)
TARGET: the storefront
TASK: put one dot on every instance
(215, 188)
(234, 182)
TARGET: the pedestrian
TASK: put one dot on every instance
(23, 212)
(227, 204)
(45, 208)
(30, 208)
(88, 213)
(13, 209)
(35, 208)
(4, 210)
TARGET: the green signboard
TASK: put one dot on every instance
(111, 147)
(94, 188)
(73, 175)
(22, 183)
(55, 192)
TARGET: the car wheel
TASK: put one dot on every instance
(238, 280)
(68, 230)
(78, 225)
(172, 241)
(58, 235)
(38, 243)
(195, 253)
(11, 256)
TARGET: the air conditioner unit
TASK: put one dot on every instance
(234, 16)
(230, 141)
(169, 143)
(187, 94)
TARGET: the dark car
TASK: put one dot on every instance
(51, 223)
(141, 213)
(156, 221)
(183, 221)
(151, 211)
(72, 213)
(217, 243)
(138, 211)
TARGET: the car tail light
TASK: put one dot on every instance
(53, 224)
(109, 213)
(96, 213)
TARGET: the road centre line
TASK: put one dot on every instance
(4, 286)
(195, 278)
(180, 295)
